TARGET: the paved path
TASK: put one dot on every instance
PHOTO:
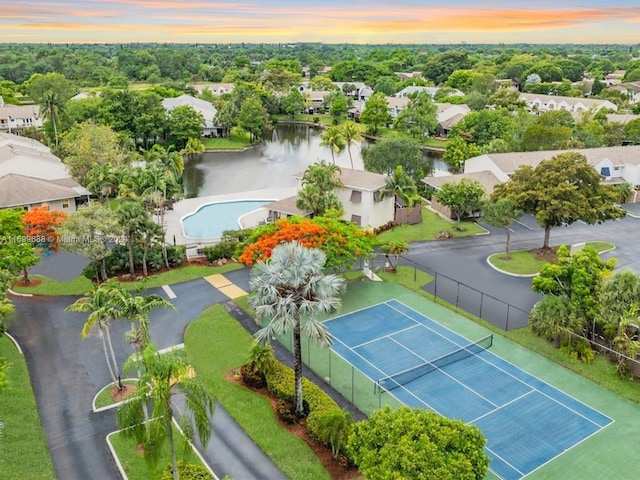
(67, 372)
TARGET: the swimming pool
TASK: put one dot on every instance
(210, 220)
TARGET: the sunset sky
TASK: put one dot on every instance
(328, 21)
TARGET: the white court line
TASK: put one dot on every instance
(168, 291)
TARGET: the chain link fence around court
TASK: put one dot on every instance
(460, 296)
(356, 387)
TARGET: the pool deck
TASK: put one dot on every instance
(173, 224)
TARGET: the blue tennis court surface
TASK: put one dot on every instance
(526, 421)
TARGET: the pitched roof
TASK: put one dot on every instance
(28, 157)
(288, 206)
(587, 102)
(358, 179)
(19, 111)
(486, 178)
(17, 190)
(509, 162)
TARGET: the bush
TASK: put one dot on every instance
(331, 427)
(280, 382)
(286, 412)
(316, 119)
(236, 235)
(252, 377)
(219, 251)
(176, 255)
(188, 471)
(383, 228)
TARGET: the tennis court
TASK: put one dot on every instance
(526, 421)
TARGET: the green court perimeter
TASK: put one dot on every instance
(609, 454)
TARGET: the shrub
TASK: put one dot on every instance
(252, 377)
(579, 350)
(176, 255)
(188, 471)
(383, 228)
(280, 382)
(219, 251)
(316, 119)
(331, 427)
(236, 235)
(286, 412)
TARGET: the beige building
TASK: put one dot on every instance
(15, 118)
(360, 195)
(31, 176)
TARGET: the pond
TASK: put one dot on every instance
(288, 150)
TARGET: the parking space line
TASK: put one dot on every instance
(525, 226)
(168, 291)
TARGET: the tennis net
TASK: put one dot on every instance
(409, 375)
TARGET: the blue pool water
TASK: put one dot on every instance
(210, 220)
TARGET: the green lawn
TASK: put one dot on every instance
(523, 262)
(104, 398)
(81, 285)
(216, 344)
(237, 141)
(134, 464)
(23, 448)
(431, 225)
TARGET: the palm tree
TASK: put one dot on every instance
(164, 377)
(102, 310)
(626, 342)
(133, 217)
(101, 180)
(51, 109)
(289, 288)
(402, 187)
(332, 138)
(351, 132)
(552, 319)
(136, 309)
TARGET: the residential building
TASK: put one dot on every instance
(538, 103)
(31, 176)
(617, 165)
(15, 118)
(406, 91)
(360, 195)
(207, 109)
(216, 89)
(631, 90)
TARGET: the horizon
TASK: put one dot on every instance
(373, 22)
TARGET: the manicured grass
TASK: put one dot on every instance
(431, 225)
(323, 119)
(216, 344)
(523, 262)
(237, 141)
(134, 463)
(182, 274)
(408, 277)
(81, 285)
(104, 398)
(49, 286)
(23, 448)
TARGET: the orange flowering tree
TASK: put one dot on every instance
(342, 242)
(40, 228)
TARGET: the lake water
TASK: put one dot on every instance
(290, 149)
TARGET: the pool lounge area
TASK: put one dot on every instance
(210, 220)
(232, 207)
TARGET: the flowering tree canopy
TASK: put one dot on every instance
(342, 242)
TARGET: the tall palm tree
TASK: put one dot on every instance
(51, 109)
(164, 377)
(351, 133)
(136, 309)
(332, 138)
(290, 291)
(133, 217)
(102, 310)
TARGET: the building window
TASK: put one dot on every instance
(357, 219)
(615, 169)
(605, 171)
(377, 196)
(65, 203)
(356, 196)
(45, 205)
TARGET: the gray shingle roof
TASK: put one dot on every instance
(16, 190)
(487, 179)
